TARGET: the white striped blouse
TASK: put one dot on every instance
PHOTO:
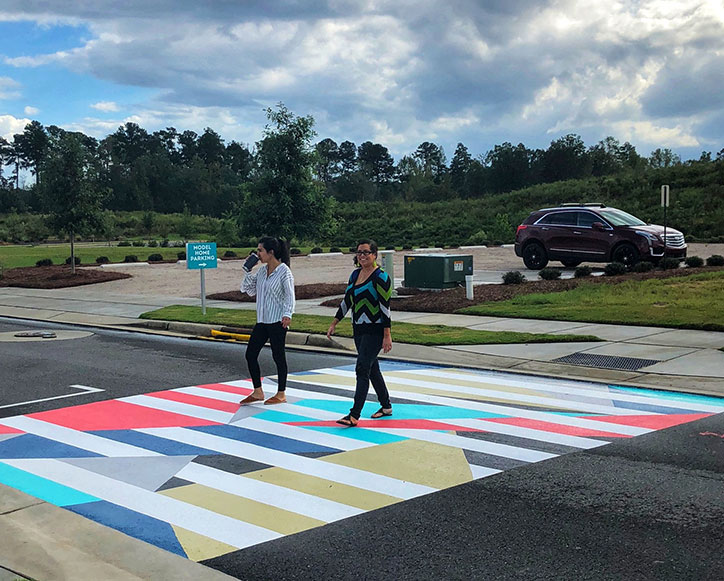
(274, 293)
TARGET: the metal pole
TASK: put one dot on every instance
(203, 292)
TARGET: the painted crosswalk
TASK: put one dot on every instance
(190, 471)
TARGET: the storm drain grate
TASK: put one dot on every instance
(606, 361)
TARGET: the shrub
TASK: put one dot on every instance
(44, 262)
(139, 243)
(229, 254)
(124, 243)
(614, 269)
(102, 260)
(405, 247)
(155, 258)
(130, 258)
(387, 248)
(715, 260)
(77, 260)
(582, 271)
(335, 249)
(550, 274)
(295, 251)
(152, 244)
(316, 250)
(513, 277)
(694, 261)
(643, 266)
(352, 249)
(164, 243)
(669, 263)
(181, 255)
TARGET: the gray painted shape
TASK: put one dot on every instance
(148, 473)
(4, 437)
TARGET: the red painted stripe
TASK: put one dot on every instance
(9, 430)
(116, 415)
(197, 400)
(653, 422)
(554, 428)
(228, 388)
(399, 424)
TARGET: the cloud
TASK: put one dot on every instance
(105, 106)
(9, 88)
(10, 125)
(31, 110)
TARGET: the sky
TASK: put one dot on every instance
(396, 72)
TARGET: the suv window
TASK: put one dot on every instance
(621, 218)
(586, 219)
(559, 219)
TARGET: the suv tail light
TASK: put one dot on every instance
(521, 227)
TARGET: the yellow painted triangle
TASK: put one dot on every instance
(198, 547)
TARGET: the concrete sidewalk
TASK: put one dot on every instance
(42, 541)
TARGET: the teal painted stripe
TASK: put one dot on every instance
(713, 400)
(361, 434)
(42, 488)
(283, 418)
(402, 411)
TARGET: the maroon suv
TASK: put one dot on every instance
(575, 233)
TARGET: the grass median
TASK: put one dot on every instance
(401, 332)
(686, 302)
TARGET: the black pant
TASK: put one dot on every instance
(368, 369)
(277, 335)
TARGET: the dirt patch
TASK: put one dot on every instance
(449, 301)
(301, 292)
(56, 276)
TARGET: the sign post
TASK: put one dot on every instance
(664, 205)
(200, 256)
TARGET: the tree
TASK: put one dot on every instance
(348, 157)
(509, 167)
(326, 165)
(376, 162)
(33, 145)
(459, 168)
(283, 199)
(210, 147)
(566, 159)
(431, 159)
(663, 158)
(70, 190)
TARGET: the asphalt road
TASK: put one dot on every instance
(650, 507)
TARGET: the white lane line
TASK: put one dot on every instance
(574, 388)
(193, 518)
(181, 408)
(529, 433)
(551, 418)
(266, 493)
(335, 472)
(85, 389)
(302, 434)
(78, 439)
(564, 404)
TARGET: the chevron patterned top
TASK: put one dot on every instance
(368, 301)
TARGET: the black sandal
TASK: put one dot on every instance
(348, 420)
(382, 412)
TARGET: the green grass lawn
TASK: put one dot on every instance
(401, 332)
(689, 302)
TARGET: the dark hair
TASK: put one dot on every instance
(279, 247)
(371, 243)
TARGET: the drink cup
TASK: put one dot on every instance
(250, 262)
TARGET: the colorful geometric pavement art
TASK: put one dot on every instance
(189, 471)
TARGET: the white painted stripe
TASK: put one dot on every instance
(473, 444)
(320, 468)
(270, 385)
(193, 518)
(530, 433)
(84, 391)
(507, 411)
(302, 434)
(266, 493)
(566, 387)
(178, 407)
(82, 440)
(482, 471)
(564, 404)
(211, 394)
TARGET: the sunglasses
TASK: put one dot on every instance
(364, 252)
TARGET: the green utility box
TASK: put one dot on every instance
(437, 271)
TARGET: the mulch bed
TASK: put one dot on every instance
(449, 301)
(302, 291)
(59, 276)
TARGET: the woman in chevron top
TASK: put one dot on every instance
(273, 286)
(368, 297)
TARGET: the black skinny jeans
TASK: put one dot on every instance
(277, 335)
(368, 369)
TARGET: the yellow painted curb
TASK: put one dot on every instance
(225, 335)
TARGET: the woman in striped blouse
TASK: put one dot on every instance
(273, 286)
(368, 297)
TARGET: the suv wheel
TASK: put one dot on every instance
(571, 263)
(534, 256)
(625, 254)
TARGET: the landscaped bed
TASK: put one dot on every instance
(59, 276)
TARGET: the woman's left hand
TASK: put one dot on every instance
(286, 321)
(387, 344)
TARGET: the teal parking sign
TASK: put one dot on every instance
(200, 255)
